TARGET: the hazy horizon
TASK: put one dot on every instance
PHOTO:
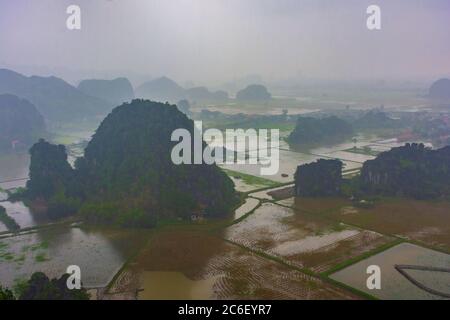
(214, 42)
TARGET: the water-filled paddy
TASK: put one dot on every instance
(23, 215)
(425, 221)
(302, 239)
(393, 284)
(99, 253)
(12, 167)
(219, 270)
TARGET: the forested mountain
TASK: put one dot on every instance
(116, 91)
(162, 89)
(254, 93)
(310, 132)
(55, 99)
(411, 170)
(50, 172)
(322, 178)
(127, 177)
(440, 89)
(21, 124)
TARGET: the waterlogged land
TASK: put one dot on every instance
(100, 253)
(394, 285)
(301, 239)
(269, 249)
(199, 265)
(426, 222)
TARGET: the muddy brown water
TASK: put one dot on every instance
(393, 284)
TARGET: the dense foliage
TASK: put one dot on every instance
(21, 124)
(126, 176)
(254, 93)
(40, 287)
(310, 132)
(322, 178)
(115, 91)
(411, 171)
(50, 172)
(6, 294)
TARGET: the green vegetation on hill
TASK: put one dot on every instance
(322, 178)
(411, 171)
(310, 132)
(126, 176)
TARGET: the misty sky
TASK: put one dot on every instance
(219, 40)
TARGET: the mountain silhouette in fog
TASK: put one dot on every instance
(56, 99)
(21, 124)
(440, 89)
(115, 91)
(161, 89)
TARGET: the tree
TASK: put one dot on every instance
(6, 294)
(322, 178)
(40, 287)
(314, 131)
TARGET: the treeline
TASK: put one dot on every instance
(408, 171)
(314, 131)
(40, 287)
(310, 132)
(411, 171)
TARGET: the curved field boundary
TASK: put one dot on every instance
(402, 267)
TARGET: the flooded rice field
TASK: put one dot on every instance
(425, 221)
(393, 284)
(202, 266)
(99, 253)
(265, 194)
(301, 239)
(23, 215)
(13, 170)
